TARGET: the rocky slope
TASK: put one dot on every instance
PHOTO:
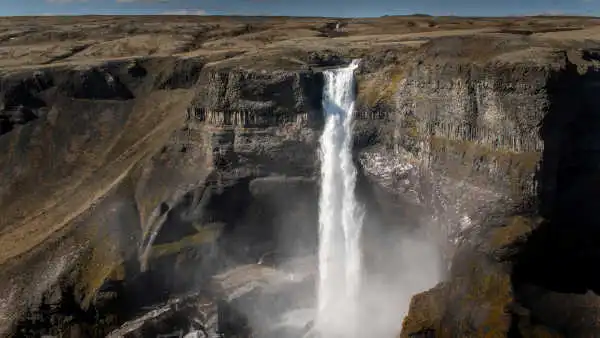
(128, 167)
(132, 173)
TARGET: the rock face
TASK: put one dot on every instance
(195, 313)
(129, 181)
(480, 144)
(269, 301)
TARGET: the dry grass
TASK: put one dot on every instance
(139, 45)
(79, 39)
(84, 177)
(203, 236)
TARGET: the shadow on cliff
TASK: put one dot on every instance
(562, 251)
(562, 254)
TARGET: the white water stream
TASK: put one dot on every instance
(340, 216)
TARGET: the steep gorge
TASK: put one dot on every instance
(128, 182)
(114, 189)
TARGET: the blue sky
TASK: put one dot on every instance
(339, 8)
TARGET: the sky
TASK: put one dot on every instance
(333, 8)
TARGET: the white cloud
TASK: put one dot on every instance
(185, 12)
(142, 0)
(64, 1)
(550, 13)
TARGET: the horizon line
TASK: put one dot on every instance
(309, 17)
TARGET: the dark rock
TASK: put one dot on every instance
(178, 317)
(97, 84)
(21, 102)
(591, 54)
(184, 74)
(137, 70)
(326, 58)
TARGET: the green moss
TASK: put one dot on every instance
(490, 291)
(517, 229)
(100, 264)
(538, 331)
(474, 304)
(426, 312)
(118, 273)
(382, 87)
(515, 167)
(205, 235)
(101, 261)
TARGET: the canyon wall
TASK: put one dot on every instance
(126, 182)
(497, 147)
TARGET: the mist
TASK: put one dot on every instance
(358, 277)
(411, 263)
(400, 260)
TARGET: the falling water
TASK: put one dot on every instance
(340, 216)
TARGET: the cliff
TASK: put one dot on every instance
(494, 145)
(135, 169)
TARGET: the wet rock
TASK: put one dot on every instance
(261, 298)
(180, 316)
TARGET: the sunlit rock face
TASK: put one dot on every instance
(462, 137)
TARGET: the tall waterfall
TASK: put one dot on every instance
(340, 216)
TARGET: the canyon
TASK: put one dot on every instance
(162, 174)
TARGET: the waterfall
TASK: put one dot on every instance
(340, 216)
